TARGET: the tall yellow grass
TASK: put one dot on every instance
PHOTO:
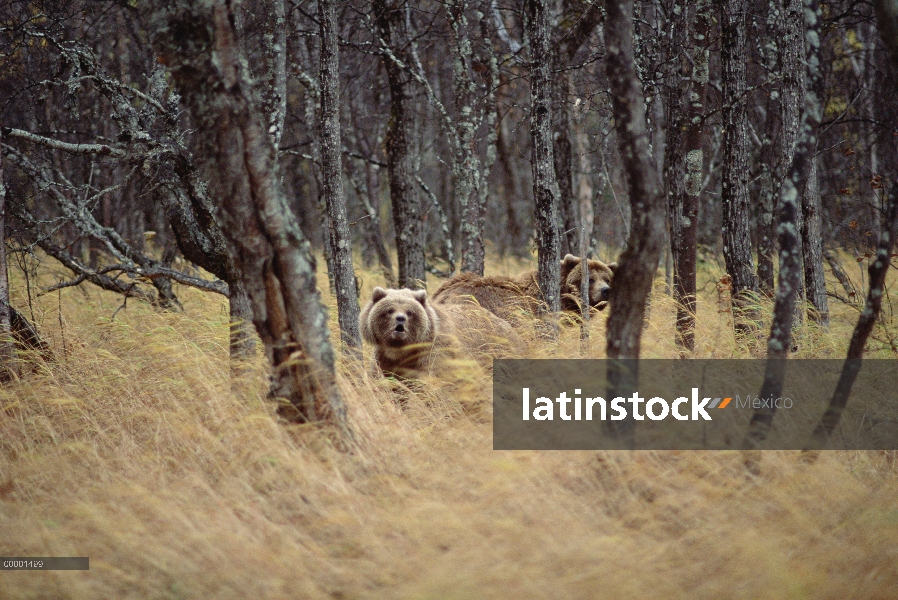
(133, 449)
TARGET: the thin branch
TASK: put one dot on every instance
(101, 149)
(444, 223)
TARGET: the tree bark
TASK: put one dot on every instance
(767, 196)
(332, 179)
(511, 191)
(491, 118)
(684, 212)
(466, 162)
(8, 368)
(638, 263)
(199, 44)
(407, 209)
(563, 164)
(569, 42)
(786, 28)
(887, 23)
(191, 215)
(812, 249)
(877, 271)
(275, 92)
(789, 281)
(737, 250)
(544, 186)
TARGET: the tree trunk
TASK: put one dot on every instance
(407, 209)
(332, 179)
(544, 187)
(563, 164)
(737, 250)
(638, 263)
(684, 214)
(275, 90)
(877, 270)
(511, 190)
(568, 44)
(812, 249)
(789, 281)
(466, 163)
(767, 196)
(491, 119)
(8, 368)
(199, 44)
(887, 23)
(199, 237)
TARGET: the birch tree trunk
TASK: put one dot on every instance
(491, 119)
(466, 163)
(639, 261)
(275, 92)
(7, 347)
(887, 23)
(789, 281)
(767, 196)
(812, 248)
(633, 278)
(564, 128)
(407, 209)
(684, 214)
(512, 190)
(191, 215)
(198, 42)
(737, 250)
(332, 178)
(877, 271)
(544, 186)
(562, 158)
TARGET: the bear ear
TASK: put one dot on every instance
(612, 266)
(570, 261)
(378, 295)
(421, 296)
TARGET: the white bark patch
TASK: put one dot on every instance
(693, 182)
(700, 70)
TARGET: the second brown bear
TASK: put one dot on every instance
(513, 297)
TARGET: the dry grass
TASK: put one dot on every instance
(133, 450)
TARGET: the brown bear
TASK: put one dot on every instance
(509, 297)
(411, 334)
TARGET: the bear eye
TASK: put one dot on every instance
(391, 311)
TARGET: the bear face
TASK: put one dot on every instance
(398, 318)
(600, 275)
(402, 326)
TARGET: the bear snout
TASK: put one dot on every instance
(600, 300)
(400, 320)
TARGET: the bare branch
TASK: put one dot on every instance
(101, 149)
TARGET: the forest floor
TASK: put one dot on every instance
(134, 449)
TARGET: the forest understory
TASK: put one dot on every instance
(136, 448)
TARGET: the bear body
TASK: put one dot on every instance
(510, 297)
(411, 334)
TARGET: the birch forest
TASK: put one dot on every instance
(257, 258)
